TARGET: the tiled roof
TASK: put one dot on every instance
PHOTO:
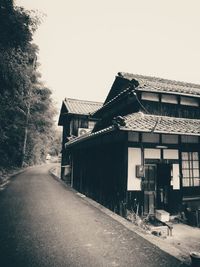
(153, 84)
(89, 135)
(140, 122)
(75, 106)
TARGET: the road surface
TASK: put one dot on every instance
(43, 223)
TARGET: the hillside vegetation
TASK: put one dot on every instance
(27, 130)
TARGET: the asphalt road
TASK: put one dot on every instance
(43, 223)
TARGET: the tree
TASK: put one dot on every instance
(17, 25)
(26, 107)
(55, 143)
(40, 125)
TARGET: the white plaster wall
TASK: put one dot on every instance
(170, 154)
(134, 158)
(176, 177)
(151, 153)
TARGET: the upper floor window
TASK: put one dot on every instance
(190, 169)
(150, 96)
(189, 101)
(189, 139)
(172, 99)
(169, 139)
(150, 138)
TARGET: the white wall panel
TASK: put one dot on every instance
(176, 177)
(134, 158)
(151, 153)
(170, 154)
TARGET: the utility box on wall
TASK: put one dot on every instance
(139, 171)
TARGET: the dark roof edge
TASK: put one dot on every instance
(82, 100)
(89, 136)
(117, 97)
(157, 132)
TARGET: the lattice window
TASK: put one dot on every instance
(190, 169)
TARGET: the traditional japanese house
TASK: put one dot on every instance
(75, 120)
(144, 149)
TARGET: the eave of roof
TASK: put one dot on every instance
(147, 123)
(160, 85)
(152, 84)
(89, 136)
(140, 122)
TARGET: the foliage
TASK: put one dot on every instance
(17, 25)
(26, 108)
(40, 125)
(55, 144)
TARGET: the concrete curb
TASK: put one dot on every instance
(157, 241)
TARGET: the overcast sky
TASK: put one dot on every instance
(85, 43)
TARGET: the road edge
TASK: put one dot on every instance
(10, 176)
(156, 241)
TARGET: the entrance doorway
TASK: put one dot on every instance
(157, 187)
(149, 187)
(163, 186)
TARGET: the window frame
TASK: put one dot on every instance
(189, 101)
(169, 99)
(190, 167)
(150, 96)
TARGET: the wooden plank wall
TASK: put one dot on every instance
(100, 173)
(78, 122)
(174, 110)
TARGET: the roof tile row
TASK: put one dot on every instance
(140, 122)
(155, 84)
(82, 107)
(161, 124)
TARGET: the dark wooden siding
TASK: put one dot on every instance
(65, 157)
(78, 122)
(174, 110)
(100, 173)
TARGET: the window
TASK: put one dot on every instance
(189, 101)
(149, 188)
(189, 139)
(190, 169)
(150, 138)
(150, 178)
(150, 96)
(169, 139)
(172, 99)
(134, 137)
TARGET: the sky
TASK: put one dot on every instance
(85, 43)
